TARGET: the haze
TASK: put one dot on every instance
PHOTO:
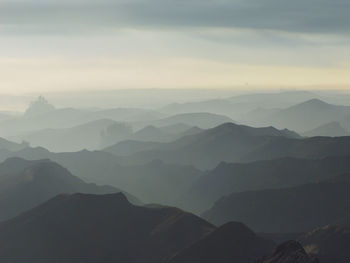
(91, 45)
(174, 131)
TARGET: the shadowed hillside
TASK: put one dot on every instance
(26, 184)
(296, 209)
(89, 228)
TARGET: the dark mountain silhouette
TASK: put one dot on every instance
(287, 210)
(88, 229)
(290, 252)
(333, 129)
(330, 243)
(229, 178)
(26, 184)
(232, 242)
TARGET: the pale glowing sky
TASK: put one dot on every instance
(110, 44)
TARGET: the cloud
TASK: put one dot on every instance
(299, 16)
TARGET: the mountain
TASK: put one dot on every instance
(153, 182)
(163, 134)
(214, 106)
(11, 146)
(286, 210)
(275, 99)
(26, 184)
(332, 129)
(202, 120)
(129, 147)
(100, 133)
(238, 106)
(149, 138)
(308, 115)
(85, 136)
(330, 243)
(83, 228)
(310, 148)
(227, 142)
(229, 178)
(232, 242)
(38, 107)
(61, 118)
(290, 252)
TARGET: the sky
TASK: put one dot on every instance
(54, 45)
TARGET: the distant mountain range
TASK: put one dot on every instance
(238, 106)
(227, 142)
(295, 209)
(70, 117)
(313, 118)
(104, 132)
(237, 143)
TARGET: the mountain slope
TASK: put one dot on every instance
(288, 210)
(227, 142)
(333, 129)
(90, 229)
(11, 146)
(308, 115)
(202, 120)
(85, 136)
(290, 252)
(232, 242)
(154, 182)
(230, 178)
(129, 147)
(26, 184)
(330, 243)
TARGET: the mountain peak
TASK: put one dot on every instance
(39, 106)
(315, 102)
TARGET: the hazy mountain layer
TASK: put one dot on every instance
(154, 182)
(26, 184)
(296, 209)
(228, 178)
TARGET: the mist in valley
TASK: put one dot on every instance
(151, 131)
